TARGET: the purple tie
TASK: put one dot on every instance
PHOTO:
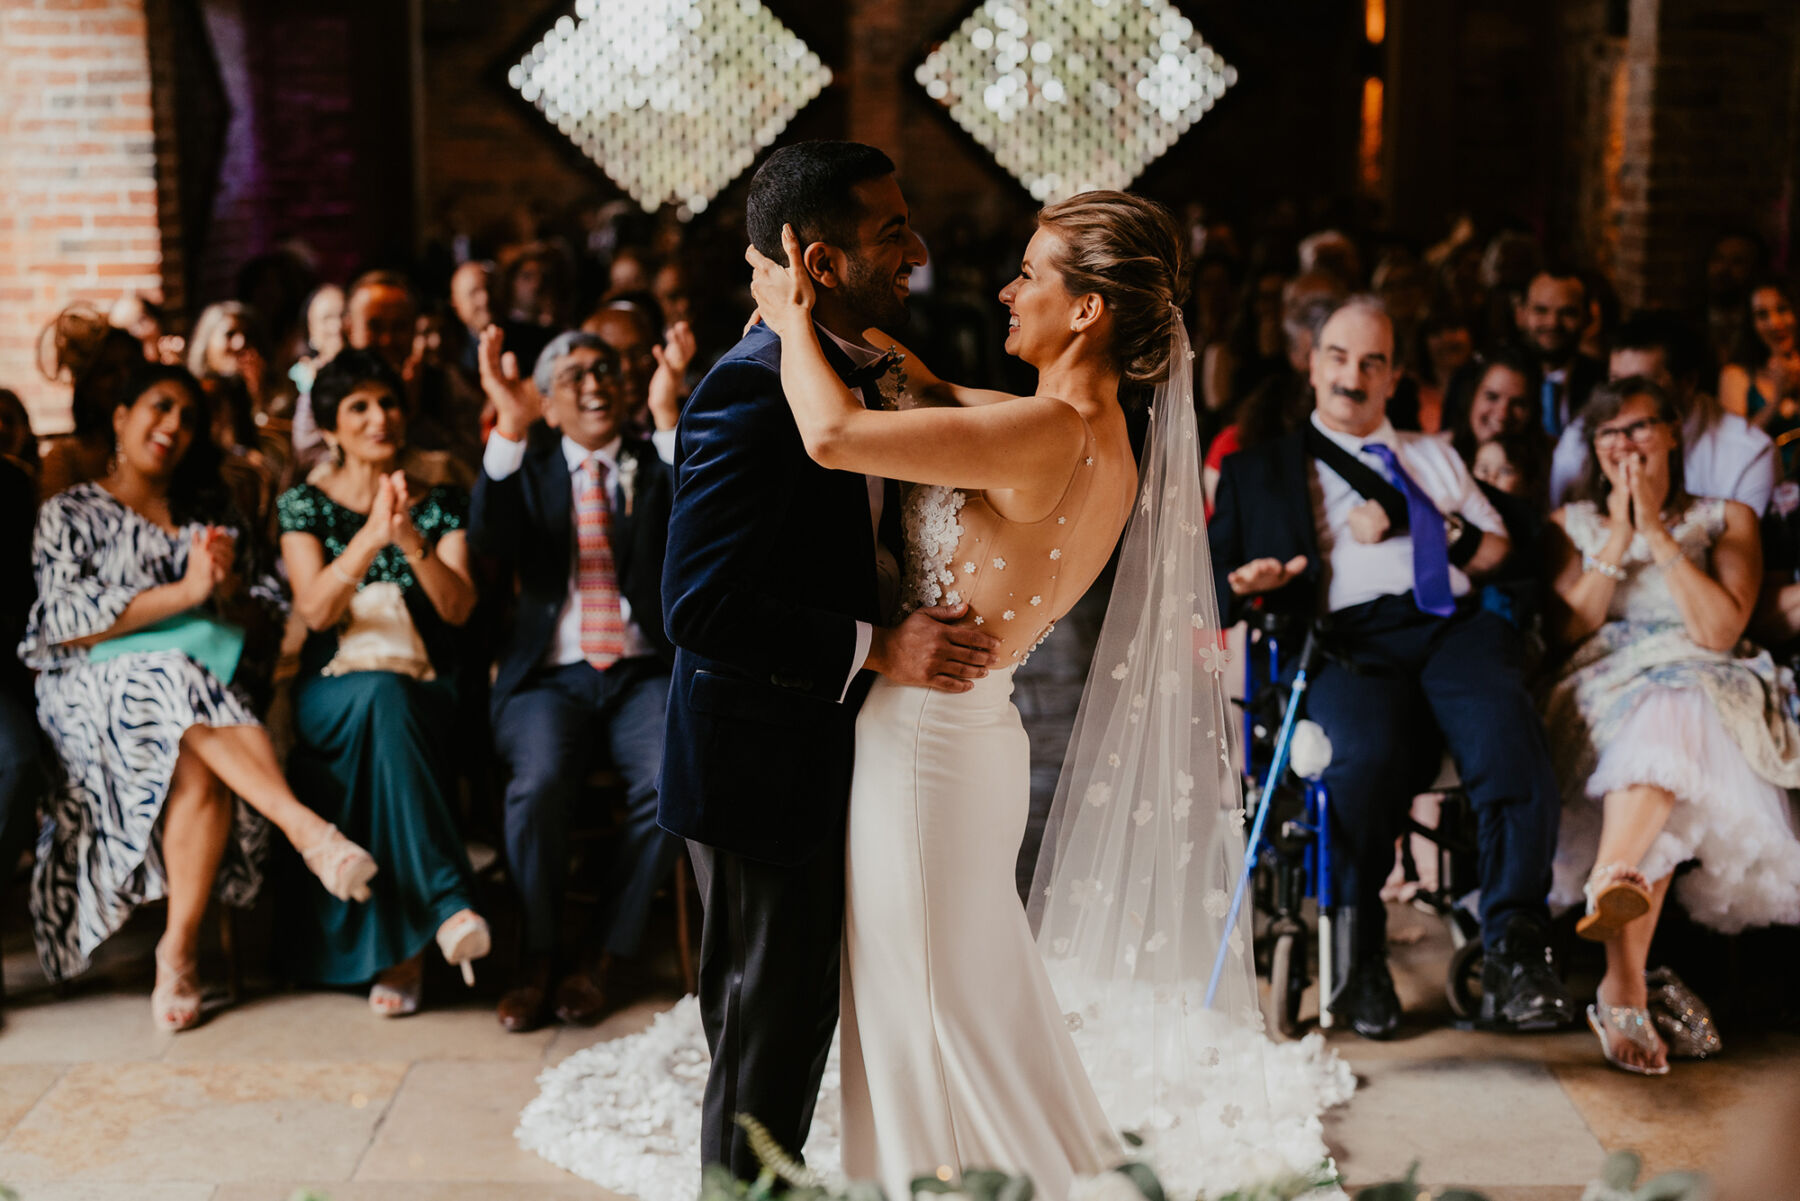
(1431, 554)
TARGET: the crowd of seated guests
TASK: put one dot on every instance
(432, 514)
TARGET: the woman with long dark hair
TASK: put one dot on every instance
(148, 585)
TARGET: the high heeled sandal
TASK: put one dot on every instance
(463, 939)
(1617, 895)
(344, 868)
(175, 1006)
(390, 1002)
(1683, 1020)
(1631, 1024)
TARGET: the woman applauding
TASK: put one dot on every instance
(144, 591)
(1670, 737)
(380, 570)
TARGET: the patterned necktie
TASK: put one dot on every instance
(602, 624)
(1431, 554)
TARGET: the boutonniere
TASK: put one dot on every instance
(892, 381)
(628, 468)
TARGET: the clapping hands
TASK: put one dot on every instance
(515, 399)
(211, 564)
(668, 387)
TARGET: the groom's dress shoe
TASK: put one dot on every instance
(1520, 989)
(1368, 1001)
(524, 1009)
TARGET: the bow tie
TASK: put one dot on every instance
(859, 377)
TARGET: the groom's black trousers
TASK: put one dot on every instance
(768, 994)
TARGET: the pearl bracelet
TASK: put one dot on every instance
(1610, 570)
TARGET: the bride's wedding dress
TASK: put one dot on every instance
(967, 1041)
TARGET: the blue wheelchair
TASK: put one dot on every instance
(1288, 854)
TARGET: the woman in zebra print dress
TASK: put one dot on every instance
(152, 744)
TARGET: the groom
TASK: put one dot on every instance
(778, 574)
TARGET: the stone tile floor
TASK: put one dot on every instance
(290, 1089)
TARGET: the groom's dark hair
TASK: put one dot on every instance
(808, 185)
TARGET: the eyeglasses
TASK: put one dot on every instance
(603, 372)
(1639, 431)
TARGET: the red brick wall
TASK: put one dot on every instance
(78, 214)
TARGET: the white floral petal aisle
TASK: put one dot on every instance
(625, 1114)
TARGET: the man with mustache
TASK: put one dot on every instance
(1375, 534)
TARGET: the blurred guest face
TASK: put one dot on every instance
(1499, 405)
(1353, 371)
(1729, 267)
(587, 398)
(528, 287)
(1651, 363)
(1552, 318)
(371, 425)
(1494, 469)
(226, 346)
(1636, 431)
(428, 338)
(325, 323)
(672, 293)
(1774, 318)
(626, 333)
(153, 432)
(381, 319)
(627, 274)
(1448, 349)
(470, 287)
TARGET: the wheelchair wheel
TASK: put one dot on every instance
(1463, 986)
(1287, 981)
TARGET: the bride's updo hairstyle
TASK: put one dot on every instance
(1130, 252)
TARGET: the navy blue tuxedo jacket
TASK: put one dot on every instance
(526, 522)
(771, 563)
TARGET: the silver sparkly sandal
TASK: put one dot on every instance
(1683, 1020)
(1632, 1025)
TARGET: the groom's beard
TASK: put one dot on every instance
(870, 296)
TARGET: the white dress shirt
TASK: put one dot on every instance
(1731, 460)
(1356, 572)
(862, 356)
(502, 457)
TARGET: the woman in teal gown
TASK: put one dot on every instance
(380, 570)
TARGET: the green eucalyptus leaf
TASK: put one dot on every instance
(1145, 1180)
(1461, 1194)
(932, 1185)
(1393, 1190)
(864, 1190)
(1018, 1188)
(1620, 1171)
(1677, 1186)
(984, 1184)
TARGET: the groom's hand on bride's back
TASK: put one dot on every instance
(928, 648)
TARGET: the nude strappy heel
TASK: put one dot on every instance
(344, 868)
(464, 939)
(176, 1005)
(1617, 895)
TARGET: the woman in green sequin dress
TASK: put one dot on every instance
(380, 571)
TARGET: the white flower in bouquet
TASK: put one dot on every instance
(1310, 752)
(1108, 1186)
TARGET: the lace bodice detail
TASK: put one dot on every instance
(1643, 595)
(1012, 574)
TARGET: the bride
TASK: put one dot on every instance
(966, 1040)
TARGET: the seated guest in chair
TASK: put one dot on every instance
(380, 569)
(578, 515)
(1672, 737)
(1375, 535)
(146, 583)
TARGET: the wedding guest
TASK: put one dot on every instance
(652, 364)
(1513, 465)
(149, 592)
(1441, 346)
(142, 318)
(1761, 383)
(17, 442)
(1736, 259)
(324, 316)
(1494, 394)
(1377, 534)
(577, 511)
(22, 759)
(1253, 346)
(1722, 454)
(1671, 737)
(380, 570)
(225, 356)
(471, 297)
(1551, 319)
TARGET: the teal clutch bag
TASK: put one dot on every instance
(213, 644)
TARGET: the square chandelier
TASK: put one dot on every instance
(673, 99)
(1072, 95)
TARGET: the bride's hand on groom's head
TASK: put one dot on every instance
(930, 650)
(784, 295)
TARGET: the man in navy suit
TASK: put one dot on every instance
(772, 594)
(577, 514)
(1375, 534)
